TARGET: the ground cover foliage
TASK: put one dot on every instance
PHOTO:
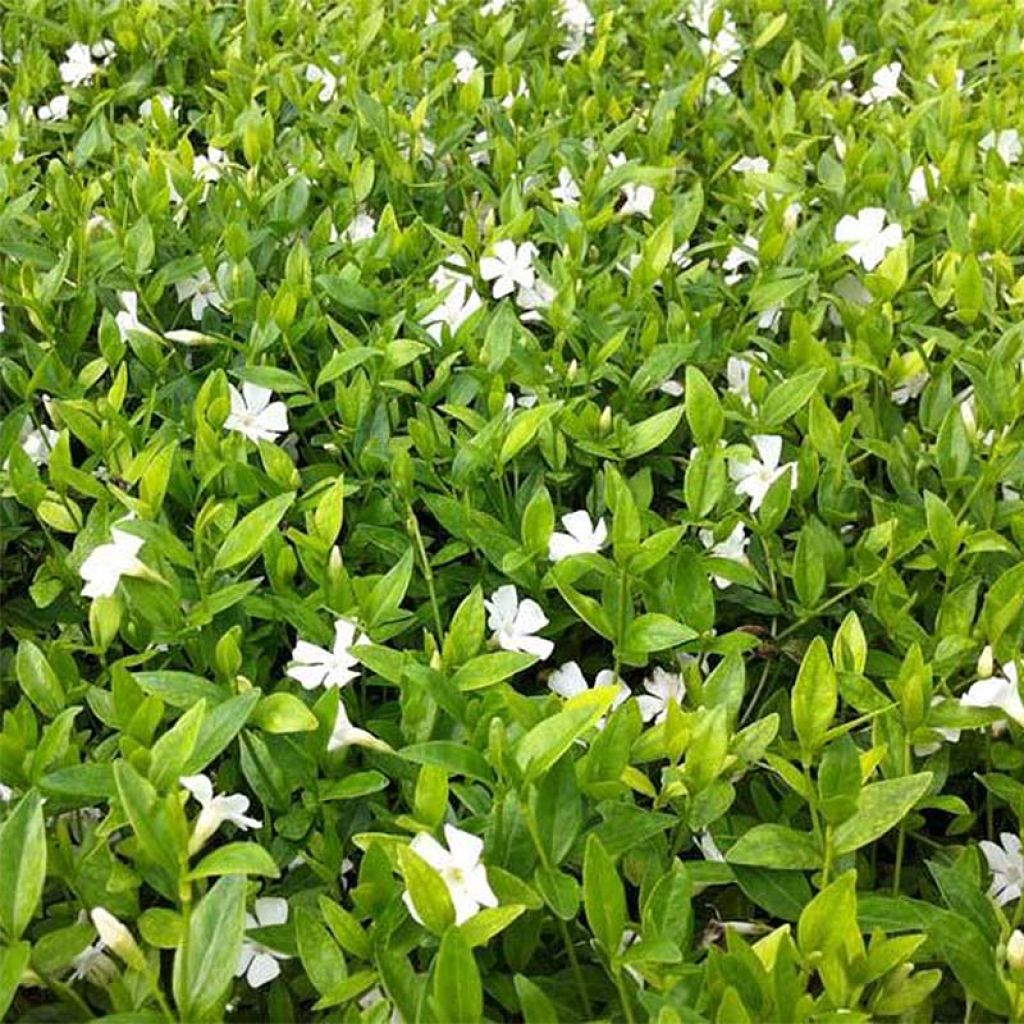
(511, 510)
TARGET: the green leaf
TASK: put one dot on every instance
(604, 897)
(703, 409)
(38, 680)
(172, 751)
(236, 859)
(488, 669)
(218, 729)
(284, 713)
(205, 962)
(22, 865)
(533, 1003)
(790, 396)
(389, 591)
(524, 428)
(642, 437)
(776, 846)
(457, 992)
(322, 959)
(882, 806)
(488, 922)
(13, 962)
(250, 533)
(814, 698)
(353, 786)
(656, 632)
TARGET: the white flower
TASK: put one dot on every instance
(128, 318)
(527, 400)
(638, 200)
(848, 52)
(493, 7)
(947, 734)
(508, 101)
(215, 810)
(257, 962)
(663, 688)
(671, 387)
(738, 257)
(105, 50)
(107, 563)
(78, 66)
(254, 415)
(769, 319)
(998, 691)
(708, 847)
(116, 937)
(360, 228)
(753, 477)
(515, 623)
(56, 109)
(885, 84)
(917, 186)
(162, 100)
(316, 666)
(840, 144)
(345, 734)
(6, 794)
(791, 216)
(328, 82)
(465, 64)
(568, 681)
(575, 17)
(582, 537)
(535, 299)
(680, 256)
(36, 443)
(567, 192)
(867, 236)
(1007, 867)
(737, 373)
(202, 291)
(459, 302)
(1006, 143)
(733, 548)
(751, 164)
(479, 157)
(93, 964)
(910, 387)
(460, 869)
(509, 266)
(209, 168)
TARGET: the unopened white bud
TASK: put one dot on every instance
(116, 937)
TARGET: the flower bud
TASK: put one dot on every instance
(1015, 951)
(116, 937)
(986, 664)
(572, 370)
(604, 424)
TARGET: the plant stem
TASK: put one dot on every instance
(627, 1006)
(428, 574)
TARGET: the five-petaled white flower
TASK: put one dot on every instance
(209, 168)
(581, 537)
(257, 962)
(327, 81)
(163, 101)
(254, 415)
(567, 192)
(460, 869)
(753, 477)
(1006, 143)
(128, 317)
(999, 690)
(345, 734)
(37, 443)
(740, 256)
(360, 228)
(868, 237)
(215, 810)
(534, 299)
(1007, 866)
(637, 200)
(515, 623)
(737, 375)
(918, 185)
(78, 67)
(107, 563)
(885, 84)
(663, 688)
(465, 64)
(568, 681)
(751, 165)
(201, 292)
(733, 548)
(459, 298)
(510, 266)
(56, 110)
(315, 666)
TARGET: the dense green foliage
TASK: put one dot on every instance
(511, 510)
